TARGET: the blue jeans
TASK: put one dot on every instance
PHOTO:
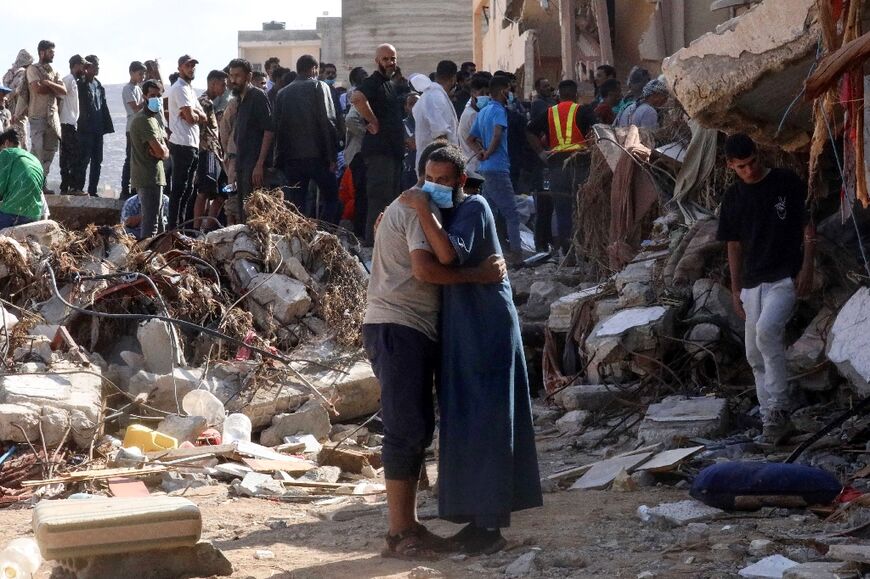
(499, 192)
(9, 220)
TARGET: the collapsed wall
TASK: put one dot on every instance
(746, 75)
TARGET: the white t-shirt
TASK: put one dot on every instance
(69, 103)
(465, 124)
(434, 115)
(131, 93)
(181, 95)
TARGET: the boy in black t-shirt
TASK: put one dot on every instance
(771, 246)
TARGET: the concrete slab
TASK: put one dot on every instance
(821, 571)
(680, 418)
(771, 567)
(563, 309)
(853, 553)
(590, 397)
(849, 343)
(285, 297)
(669, 459)
(602, 473)
(311, 419)
(77, 212)
(682, 513)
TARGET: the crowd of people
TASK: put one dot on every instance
(341, 154)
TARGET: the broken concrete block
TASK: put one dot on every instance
(355, 389)
(220, 241)
(280, 395)
(809, 351)
(702, 339)
(562, 310)
(257, 484)
(772, 567)
(590, 397)
(615, 340)
(165, 392)
(327, 474)
(161, 347)
(77, 395)
(604, 472)
(637, 327)
(46, 233)
(183, 428)
(523, 566)
(244, 247)
(572, 421)
(541, 295)
(849, 342)
(680, 513)
(853, 553)
(642, 272)
(712, 299)
(200, 560)
(311, 419)
(740, 76)
(36, 348)
(820, 571)
(678, 418)
(286, 298)
(23, 415)
(636, 294)
(356, 461)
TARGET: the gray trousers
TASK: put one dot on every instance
(768, 308)
(44, 143)
(151, 199)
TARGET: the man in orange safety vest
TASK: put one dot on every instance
(557, 136)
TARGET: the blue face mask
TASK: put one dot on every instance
(511, 98)
(155, 104)
(441, 195)
(482, 101)
(330, 81)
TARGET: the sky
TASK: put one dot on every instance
(119, 32)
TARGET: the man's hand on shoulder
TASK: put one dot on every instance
(415, 198)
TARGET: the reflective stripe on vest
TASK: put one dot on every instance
(565, 141)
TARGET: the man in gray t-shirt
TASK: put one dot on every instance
(400, 333)
(133, 103)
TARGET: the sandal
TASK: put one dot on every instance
(408, 546)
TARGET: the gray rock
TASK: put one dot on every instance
(312, 419)
(541, 295)
(161, 347)
(563, 309)
(680, 513)
(849, 342)
(820, 571)
(636, 272)
(854, 553)
(591, 397)
(572, 421)
(760, 547)
(523, 566)
(771, 567)
(328, 474)
(201, 560)
(636, 294)
(710, 298)
(678, 417)
(286, 298)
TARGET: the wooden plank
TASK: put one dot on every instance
(204, 451)
(602, 473)
(290, 466)
(97, 474)
(669, 459)
(833, 65)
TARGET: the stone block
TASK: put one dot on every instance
(702, 339)
(772, 567)
(678, 417)
(614, 340)
(541, 295)
(355, 389)
(589, 397)
(853, 553)
(35, 348)
(572, 421)
(286, 298)
(563, 309)
(311, 419)
(680, 513)
(45, 233)
(25, 416)
(75, 396)
(636, 294)
(849, 342)
(809, 350)
(77, 212)
(161, 347)
(220, 241)
(166, 391)
(821, 571)
(636, 272)
(712, 299)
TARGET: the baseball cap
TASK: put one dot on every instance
(187, 58)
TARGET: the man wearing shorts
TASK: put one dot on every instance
(210, 178)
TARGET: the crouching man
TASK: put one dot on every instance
(21, 183)
(771, 245)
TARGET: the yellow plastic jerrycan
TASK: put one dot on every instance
(148, 440)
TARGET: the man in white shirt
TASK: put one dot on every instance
(185, 116)
(133, 103)
(69, 116)
(434, 114)
(479, 89)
